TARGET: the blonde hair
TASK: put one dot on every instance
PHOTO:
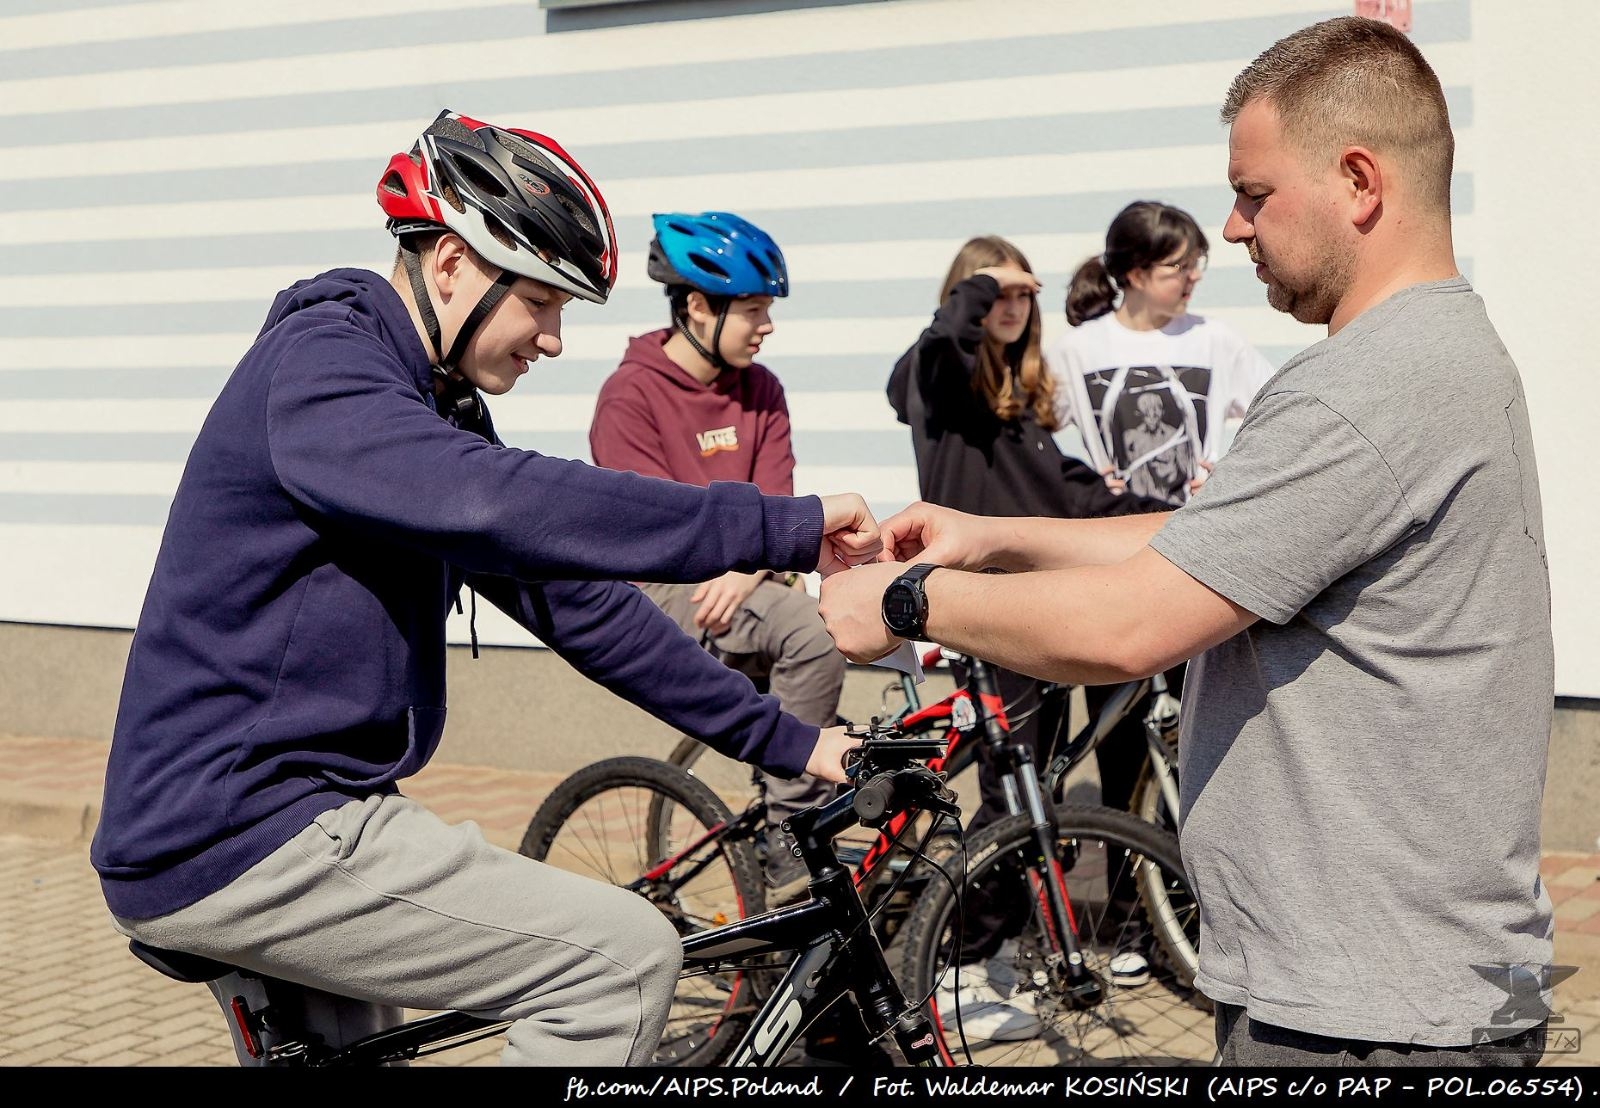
(1356, 81)
(1007, 389)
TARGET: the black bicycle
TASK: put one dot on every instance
(654, 828)
(827, 944)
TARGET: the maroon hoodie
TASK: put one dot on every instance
(653, 418)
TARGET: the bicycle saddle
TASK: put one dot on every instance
(179, 965)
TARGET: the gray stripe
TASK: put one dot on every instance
(639, 309)
(833, 448)
(1145, 128)
(51, 7)
(563, 377)
(942, 219)
(1123, 48)
(816, 447)
(294, 40)
(866, 373)
(994, 138)
(84, 508)
(32, 446)
(113, 384)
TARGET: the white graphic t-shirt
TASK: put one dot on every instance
(1152, 404)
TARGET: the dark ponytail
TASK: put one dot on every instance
(1144, 233)
(1091, 293)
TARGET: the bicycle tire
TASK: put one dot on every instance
(594, 823)
(1163, 1021)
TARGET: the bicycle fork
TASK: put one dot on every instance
(1046, 882)
(1048, 885)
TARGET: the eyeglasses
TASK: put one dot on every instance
(1195, 265)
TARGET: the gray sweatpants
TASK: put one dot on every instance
(776, 634)
(382, 901)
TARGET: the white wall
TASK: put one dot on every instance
(1538, 189)
(166, 166)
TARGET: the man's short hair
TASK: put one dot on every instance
(1355, 81)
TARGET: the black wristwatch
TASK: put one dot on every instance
(905, 604)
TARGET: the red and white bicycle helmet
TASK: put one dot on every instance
(516, 197)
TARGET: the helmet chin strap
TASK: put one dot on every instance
(714, 355)
(446, 366)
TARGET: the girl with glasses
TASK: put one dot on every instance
(1133, 343)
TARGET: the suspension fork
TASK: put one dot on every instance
(1025, 796)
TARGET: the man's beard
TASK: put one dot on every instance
(1315, 299)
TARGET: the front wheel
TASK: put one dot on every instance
(1042, 1021)
(646, 826)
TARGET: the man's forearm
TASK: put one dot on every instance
(1090, 625)
(1036, 543)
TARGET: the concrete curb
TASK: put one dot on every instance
(62, 821)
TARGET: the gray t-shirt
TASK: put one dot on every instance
(1362, 770)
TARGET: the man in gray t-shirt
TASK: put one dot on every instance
(1361, 583)
(1362, 768)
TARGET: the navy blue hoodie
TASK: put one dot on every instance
(290, 655)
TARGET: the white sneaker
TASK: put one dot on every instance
(1130, 969)
(993, 1005)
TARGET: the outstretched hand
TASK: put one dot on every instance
(849, 533)
(928, 533)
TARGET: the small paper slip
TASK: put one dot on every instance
(905, 660)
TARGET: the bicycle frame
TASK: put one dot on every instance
(968, 718)
(838, 954)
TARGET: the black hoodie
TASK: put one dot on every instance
(970, 459)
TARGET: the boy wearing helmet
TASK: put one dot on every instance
(288, 668)
(690, 403)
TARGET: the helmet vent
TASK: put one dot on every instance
(392, 183)
(452, 197)
(479, 177)
(760, 267)
(448, 127)
(576, 211)
(498, 230)
(536, 161)
(708, 266)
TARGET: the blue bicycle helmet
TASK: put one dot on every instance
(717, 253)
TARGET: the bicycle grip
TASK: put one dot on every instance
(874, 798)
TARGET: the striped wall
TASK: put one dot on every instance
(166, 166)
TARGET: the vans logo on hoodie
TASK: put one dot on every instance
(722, 438)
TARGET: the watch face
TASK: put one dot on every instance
(901, 611)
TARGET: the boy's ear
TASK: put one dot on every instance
(696, 306)
(448, 259)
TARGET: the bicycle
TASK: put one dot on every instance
(833, 950)
(605, 821)
(1070, 859)
(1154, 798)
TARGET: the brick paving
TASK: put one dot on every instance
(74, 996)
